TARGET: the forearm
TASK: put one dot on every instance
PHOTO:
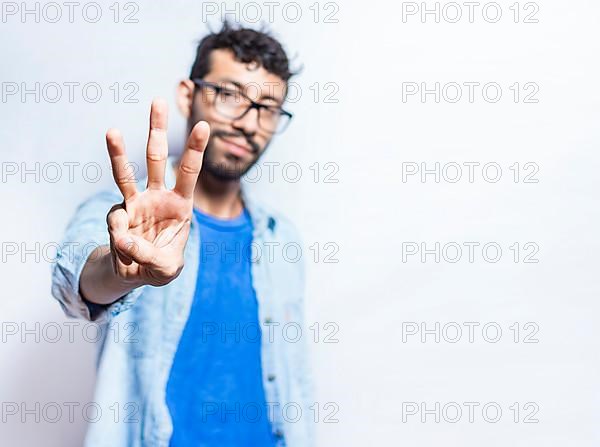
(99, 283)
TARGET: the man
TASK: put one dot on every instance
(191, 271)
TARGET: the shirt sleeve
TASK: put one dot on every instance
(86, 231)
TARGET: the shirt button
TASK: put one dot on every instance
(271, 377)
(278, 434)
(268, 320)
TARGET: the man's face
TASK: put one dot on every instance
(235, 144)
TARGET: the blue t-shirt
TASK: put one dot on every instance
(215, 391)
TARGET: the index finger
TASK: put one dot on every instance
(191, 160)
(124, 179)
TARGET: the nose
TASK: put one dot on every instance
(248, 124)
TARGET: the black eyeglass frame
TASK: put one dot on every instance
(200, 83)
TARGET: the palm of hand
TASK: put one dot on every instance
(149, 230)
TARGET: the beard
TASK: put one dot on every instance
(229, 167)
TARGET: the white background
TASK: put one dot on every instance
(369, 133)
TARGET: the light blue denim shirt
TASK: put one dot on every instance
(142, 330)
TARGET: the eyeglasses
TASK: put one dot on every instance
(234, 105)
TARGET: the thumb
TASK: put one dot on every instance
(137, 248)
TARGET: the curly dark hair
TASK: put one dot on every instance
(248, 45)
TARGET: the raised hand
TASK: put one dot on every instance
(149, 230)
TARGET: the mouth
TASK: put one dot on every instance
(236, 147)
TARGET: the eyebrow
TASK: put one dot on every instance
(241, 87)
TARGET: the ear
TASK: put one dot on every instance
(185, 95)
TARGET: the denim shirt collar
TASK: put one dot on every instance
(261, 219)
